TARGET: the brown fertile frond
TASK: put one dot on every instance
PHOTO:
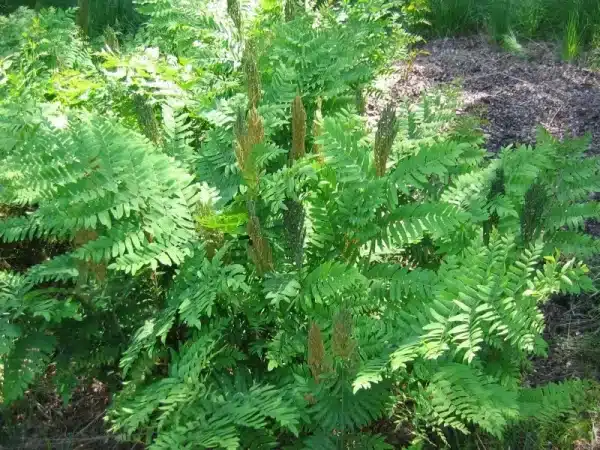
(83, 15)
(86, 268)
(298, 129)
(111, 40)
(361, 102)
(252, 75)
(316, 351)
(293, 222)
(241, 138)
(248, 134)
(256, 130)
(234, 11)
(536, 200)
(82, 237)
(147, 119)
(260, 250)
(343, 344)
(291, 9)
(387, 128)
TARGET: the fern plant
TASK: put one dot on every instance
(298, 276)
(410, 285)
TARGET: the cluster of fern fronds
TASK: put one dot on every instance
(260, 268)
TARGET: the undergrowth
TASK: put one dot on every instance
(249, 265)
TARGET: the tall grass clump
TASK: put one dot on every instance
(572, 38)
(499, 18)
(450, 17)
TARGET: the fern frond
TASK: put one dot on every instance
(330, 279)
(408, 224)
(115, 178)
(548, 403)
(573, 243)
(459, 396)
(415, 170)
(27, 361)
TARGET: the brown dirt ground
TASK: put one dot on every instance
(514, 93)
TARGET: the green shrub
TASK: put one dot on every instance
(260, 268)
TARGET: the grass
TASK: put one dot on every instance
(575, 23)
(451, 17)
(572, 39)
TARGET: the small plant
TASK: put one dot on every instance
(572, 38)
(511, 44)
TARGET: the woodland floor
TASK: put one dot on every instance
(513, 95)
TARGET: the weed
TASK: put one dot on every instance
(572, 38)
(511, 44)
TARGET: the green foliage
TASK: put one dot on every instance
(262, 270)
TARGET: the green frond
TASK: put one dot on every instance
(551, 402)
(338, 408)
(415, 170)
(112, 182)
(459, 396)
(217, 164)
(345, 148)
(409, 224)
(571, 217)
(60, 268)
(179, 135)
(145, 341)
(397, 283)
(26, 362)
(331, 279)
(572, 243)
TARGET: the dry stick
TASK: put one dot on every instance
(554, 116)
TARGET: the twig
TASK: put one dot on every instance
(90, 424)
(482, 444)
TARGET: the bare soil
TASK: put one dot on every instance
(513, 93)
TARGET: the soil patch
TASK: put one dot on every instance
(513, 93)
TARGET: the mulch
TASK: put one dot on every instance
(513, 93)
